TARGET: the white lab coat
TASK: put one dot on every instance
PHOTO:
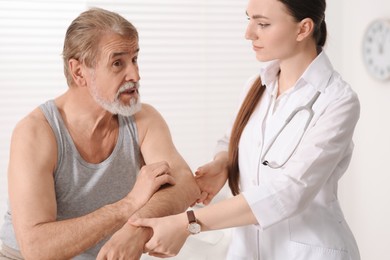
(296, 206)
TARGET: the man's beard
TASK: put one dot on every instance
(116, 107)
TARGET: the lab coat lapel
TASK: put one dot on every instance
(275, 121)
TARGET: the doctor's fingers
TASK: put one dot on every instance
(204, 170)
(154, 249)
(206, 185)
(154, 246)
(208, 199)
(159, 255)
(199, 172)
(202, 197)
(141, 222)
(116, 254)
(212, 168)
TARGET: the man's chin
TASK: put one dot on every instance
(130, 110)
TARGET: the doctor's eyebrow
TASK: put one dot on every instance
(255, 16)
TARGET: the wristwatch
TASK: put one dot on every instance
(193, 226)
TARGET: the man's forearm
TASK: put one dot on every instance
(166, 201)
(173, 199)
(68, 238)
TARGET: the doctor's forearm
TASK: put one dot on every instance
(232, 212)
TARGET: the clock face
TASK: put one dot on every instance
(376, 49)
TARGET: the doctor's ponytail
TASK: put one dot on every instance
(242, 118)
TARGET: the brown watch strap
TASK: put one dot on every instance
(191, 216)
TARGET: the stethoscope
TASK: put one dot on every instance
(309, 108)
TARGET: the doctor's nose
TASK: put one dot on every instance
(250, 32)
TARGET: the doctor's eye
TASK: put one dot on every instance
(263, 25)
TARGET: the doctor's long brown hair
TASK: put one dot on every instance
(246, 110)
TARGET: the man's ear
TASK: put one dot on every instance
(306, 28)
(77, 72)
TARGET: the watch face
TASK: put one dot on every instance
(194, 228)
(376, 49)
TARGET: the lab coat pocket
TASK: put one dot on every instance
(319, 233)
(299, 251)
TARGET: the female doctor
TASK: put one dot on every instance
(283, 156)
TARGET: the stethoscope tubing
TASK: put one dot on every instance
(309, 108)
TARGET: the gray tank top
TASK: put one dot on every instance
(83, 187)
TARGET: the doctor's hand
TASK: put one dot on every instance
(169, 234)
(211, 177)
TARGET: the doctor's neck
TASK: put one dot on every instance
(292, 69)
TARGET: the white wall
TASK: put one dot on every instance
(364, 191)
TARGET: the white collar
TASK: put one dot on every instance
(317, 74)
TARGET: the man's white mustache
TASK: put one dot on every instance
(127, 86)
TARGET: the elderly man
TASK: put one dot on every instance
(83, 163)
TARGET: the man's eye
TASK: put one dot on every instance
(135, 60)
(117, 63)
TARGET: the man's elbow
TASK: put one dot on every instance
(34, 248)
(193, 191)
(196, 192)
(30, 249)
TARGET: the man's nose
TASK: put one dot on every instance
(132, 73)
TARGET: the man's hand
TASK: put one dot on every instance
(150, 178)
(126, 244)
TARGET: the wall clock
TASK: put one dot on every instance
(376, 49)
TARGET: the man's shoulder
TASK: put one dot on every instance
(148, 120)
(147, 113)
(148, 108)
(32, 125)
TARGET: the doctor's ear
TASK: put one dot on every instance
(77, 72)
(306, 28)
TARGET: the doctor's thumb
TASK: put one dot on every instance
(140, 222)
